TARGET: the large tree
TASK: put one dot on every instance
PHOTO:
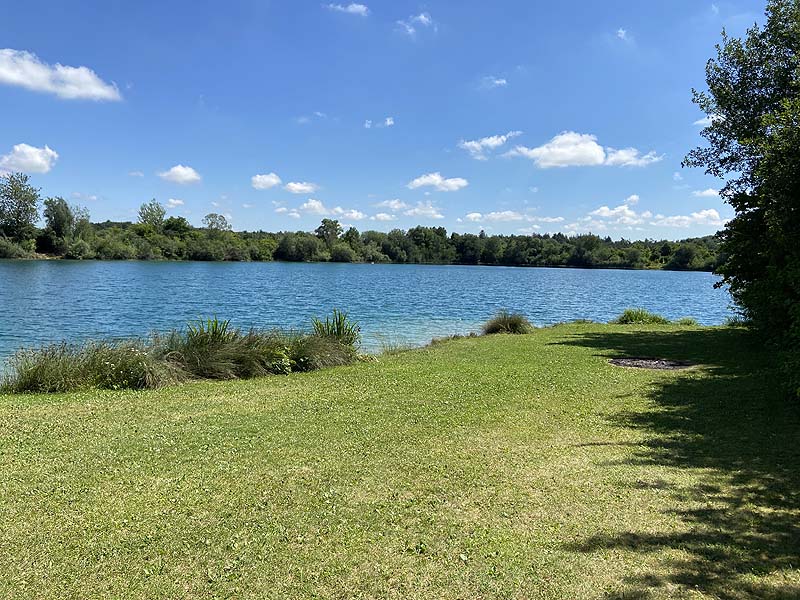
(753, 107)
(19, 207)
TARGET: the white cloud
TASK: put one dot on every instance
(314, 207)
(438, 182)
(533, 190)
(388, 122)
(567, 149)
(383, 217)
(475, 217)
(477, 148)
(264, 182)
(490, 82)
(709, 216)
(622, 34)
(502, 216)
(181, 174)
(301, 187)
(547, 219)
(392, 204)
(630, 157)
(571, 149)
(293, 214)
(135, 174)
(89, 197)
(676, 176)
(509, 216)
(281, 210)
(367, 124)
(709, 193)
(174, 203)
(632, 199)
(355, 215)
(28, 159)
(410, 25)
(714, 9)
(303, 120)
(23, 69)
(351, 9)
(246, 205)
(425, 210)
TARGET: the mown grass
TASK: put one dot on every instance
(484, 467)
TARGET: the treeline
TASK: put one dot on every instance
(69, 233)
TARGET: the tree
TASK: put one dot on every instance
(152, 214)
(329, 232)
(753, 103)
(216, 223)
(19, 208)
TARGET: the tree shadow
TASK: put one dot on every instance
(736, 423)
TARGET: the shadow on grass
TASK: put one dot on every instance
(743, 522)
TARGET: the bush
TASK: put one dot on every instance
(639, 316)
(9, 249)
(506, 322)
(338, 327)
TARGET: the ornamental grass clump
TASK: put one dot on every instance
(506, 322)
(639, 316)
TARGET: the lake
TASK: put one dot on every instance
(47, 301)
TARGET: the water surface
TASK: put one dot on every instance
(46, 301)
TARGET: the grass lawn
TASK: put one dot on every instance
(496, 467)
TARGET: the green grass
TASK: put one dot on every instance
(484, 467)
(506, 322)
(640, 316)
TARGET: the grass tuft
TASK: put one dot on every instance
(506, 322)
(639, 316)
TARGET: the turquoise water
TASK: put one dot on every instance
(47, 301)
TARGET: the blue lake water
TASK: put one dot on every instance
(47, 301)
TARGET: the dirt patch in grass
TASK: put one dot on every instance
(652, 363)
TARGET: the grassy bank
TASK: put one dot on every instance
(490, 467)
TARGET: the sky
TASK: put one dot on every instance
(512, 116)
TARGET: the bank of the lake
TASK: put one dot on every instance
(47, 301)
(501, 466)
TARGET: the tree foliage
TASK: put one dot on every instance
(19, 208)
(753, 101)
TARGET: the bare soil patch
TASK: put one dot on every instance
(652, 363)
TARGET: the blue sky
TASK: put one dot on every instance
(514, 116)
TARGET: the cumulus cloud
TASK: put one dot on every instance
(25, 70)
(475, 217)
(28, 159)
(174, 203)
(632, 199)
(676, 176)
(425, 210)
(355, 215)
(509, 216)
(622, 34)
(351, 9)
(388, 122)
(621, 215)
(264, 182)
(368, 124)
(571, 149)
(314, 207)
(301, 187)
(478, 148)
(709, 216)
(181, 174)
(392, 204)
(438, 182)
(411, 25)
(135, 174)
(709, 193)
(383, 217)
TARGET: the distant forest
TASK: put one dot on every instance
(69, 233)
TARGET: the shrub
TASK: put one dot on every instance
(9, 249)
(506, 322)
(639, 316)
(338, 327)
